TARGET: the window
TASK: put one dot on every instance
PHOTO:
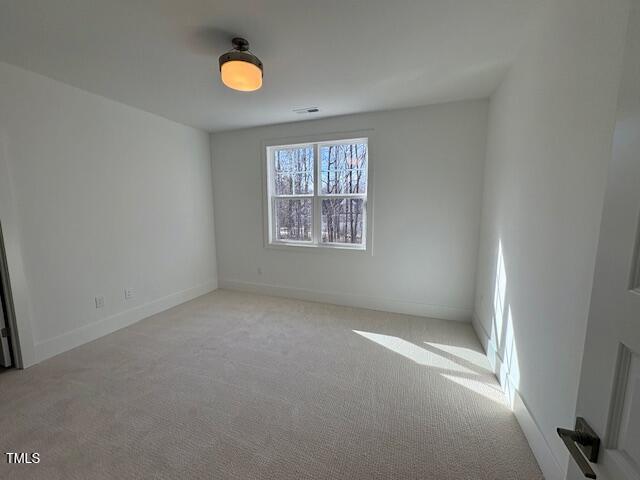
(317, 193)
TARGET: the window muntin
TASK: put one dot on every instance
(318, 193)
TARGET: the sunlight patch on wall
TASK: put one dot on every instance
(499, 298)
(510, 371)
(503, 337)
(511, 361)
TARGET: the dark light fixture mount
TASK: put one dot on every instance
(240, 44)
(239, 68)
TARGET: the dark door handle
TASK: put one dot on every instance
(582, 442)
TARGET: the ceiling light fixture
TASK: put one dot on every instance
(239, 68)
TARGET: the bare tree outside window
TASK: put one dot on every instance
(318, 193)
(293, 178)
(343, 171)
(342, 220)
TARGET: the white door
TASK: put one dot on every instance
(609, 395)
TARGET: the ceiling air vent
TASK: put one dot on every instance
(307, 110)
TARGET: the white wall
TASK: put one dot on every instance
(427, 168)
(97, 197)
(549, 142)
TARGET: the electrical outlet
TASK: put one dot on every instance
(99, 301)
(129, 293)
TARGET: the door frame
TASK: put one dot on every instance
(5, 286)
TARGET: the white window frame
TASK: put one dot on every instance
(316, 244)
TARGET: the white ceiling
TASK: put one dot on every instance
(343, 56)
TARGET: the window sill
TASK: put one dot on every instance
(300, 247)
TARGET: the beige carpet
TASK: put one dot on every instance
(241, 386)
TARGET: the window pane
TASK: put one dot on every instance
(294, 159)
(294, 219)
(293, 171)
(343, 168)
(342, 220)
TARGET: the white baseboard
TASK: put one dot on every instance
(547, 461)
(92, 331)
(406, 307)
